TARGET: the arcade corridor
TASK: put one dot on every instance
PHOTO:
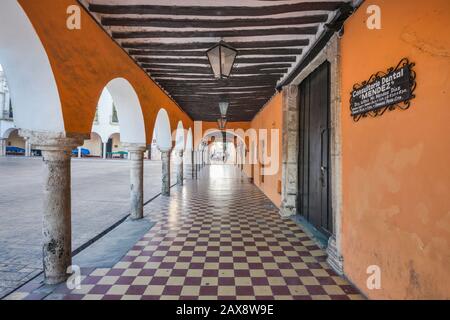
(217, 237)
(302, 149)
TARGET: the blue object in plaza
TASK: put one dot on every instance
(84, 152)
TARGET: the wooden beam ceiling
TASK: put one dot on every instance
(170, 42)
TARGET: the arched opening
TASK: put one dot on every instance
(93, 147)
(163, 133)
(33, 90)
(114, 148)
(129, 112)
(15, 144)
(222, 147)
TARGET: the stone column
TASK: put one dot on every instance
(289, 151)
(180, 169)
(165, 157)
(27, 148)
(193, 165)
(57, 228)
(136, 157)
(80, 154)
(2, 147)
(104, 150)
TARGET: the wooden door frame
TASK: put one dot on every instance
(304, 193)
(290, 134)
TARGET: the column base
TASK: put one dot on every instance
(56, 280)
(287, 211)
(335, 259)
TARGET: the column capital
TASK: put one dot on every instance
(53, 141)
(164, 150)
(135, 147)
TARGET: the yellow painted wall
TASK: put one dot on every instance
(84, 61)
(396, 177)
(268, 118)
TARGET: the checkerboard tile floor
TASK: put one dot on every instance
(215, 238)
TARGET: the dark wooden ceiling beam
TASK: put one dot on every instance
(207, 45)
(312, 30)
(219, 11)
(155, 66)
(211, 23)
(241, 78)
(209, 72)
(204, 61)
(244, 52)
(169, 74)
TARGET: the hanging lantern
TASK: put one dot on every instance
(222, 123)
(223, 108)
(221, 58)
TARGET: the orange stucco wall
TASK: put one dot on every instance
(268, 118)
(206, 126)
(396, 177)
(84, 61)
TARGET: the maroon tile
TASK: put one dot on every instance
(226, 281)
(226, 266)
(137, 265)
(260, 281)
(210, 273)
(136, 290)
(280, 290)
(339, 297)
(245, 291)
(196, 265)
(292, 281)
(326, 281)
(159, 280)
(178, 273)
(192, 281)
(208, 291)
(256, 266)
(242, 273)
(147, 272)
(273, 273)
(348, 289)
(304, 272)
(100, 289)
(91, 280)
(125, 280)
(315, 290)
(115, 272)
(184, 259)
(172, 290)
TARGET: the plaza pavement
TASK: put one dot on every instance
(100, 197)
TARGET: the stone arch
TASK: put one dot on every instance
(163, 133)
(8, 132)
(180, 137)
(126, 100)
(33, 89)
(189, 140)
(218, 133)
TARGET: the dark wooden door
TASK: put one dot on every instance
(314, 155)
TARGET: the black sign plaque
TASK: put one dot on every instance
(384, 91)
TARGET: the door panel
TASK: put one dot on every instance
(314, 193)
